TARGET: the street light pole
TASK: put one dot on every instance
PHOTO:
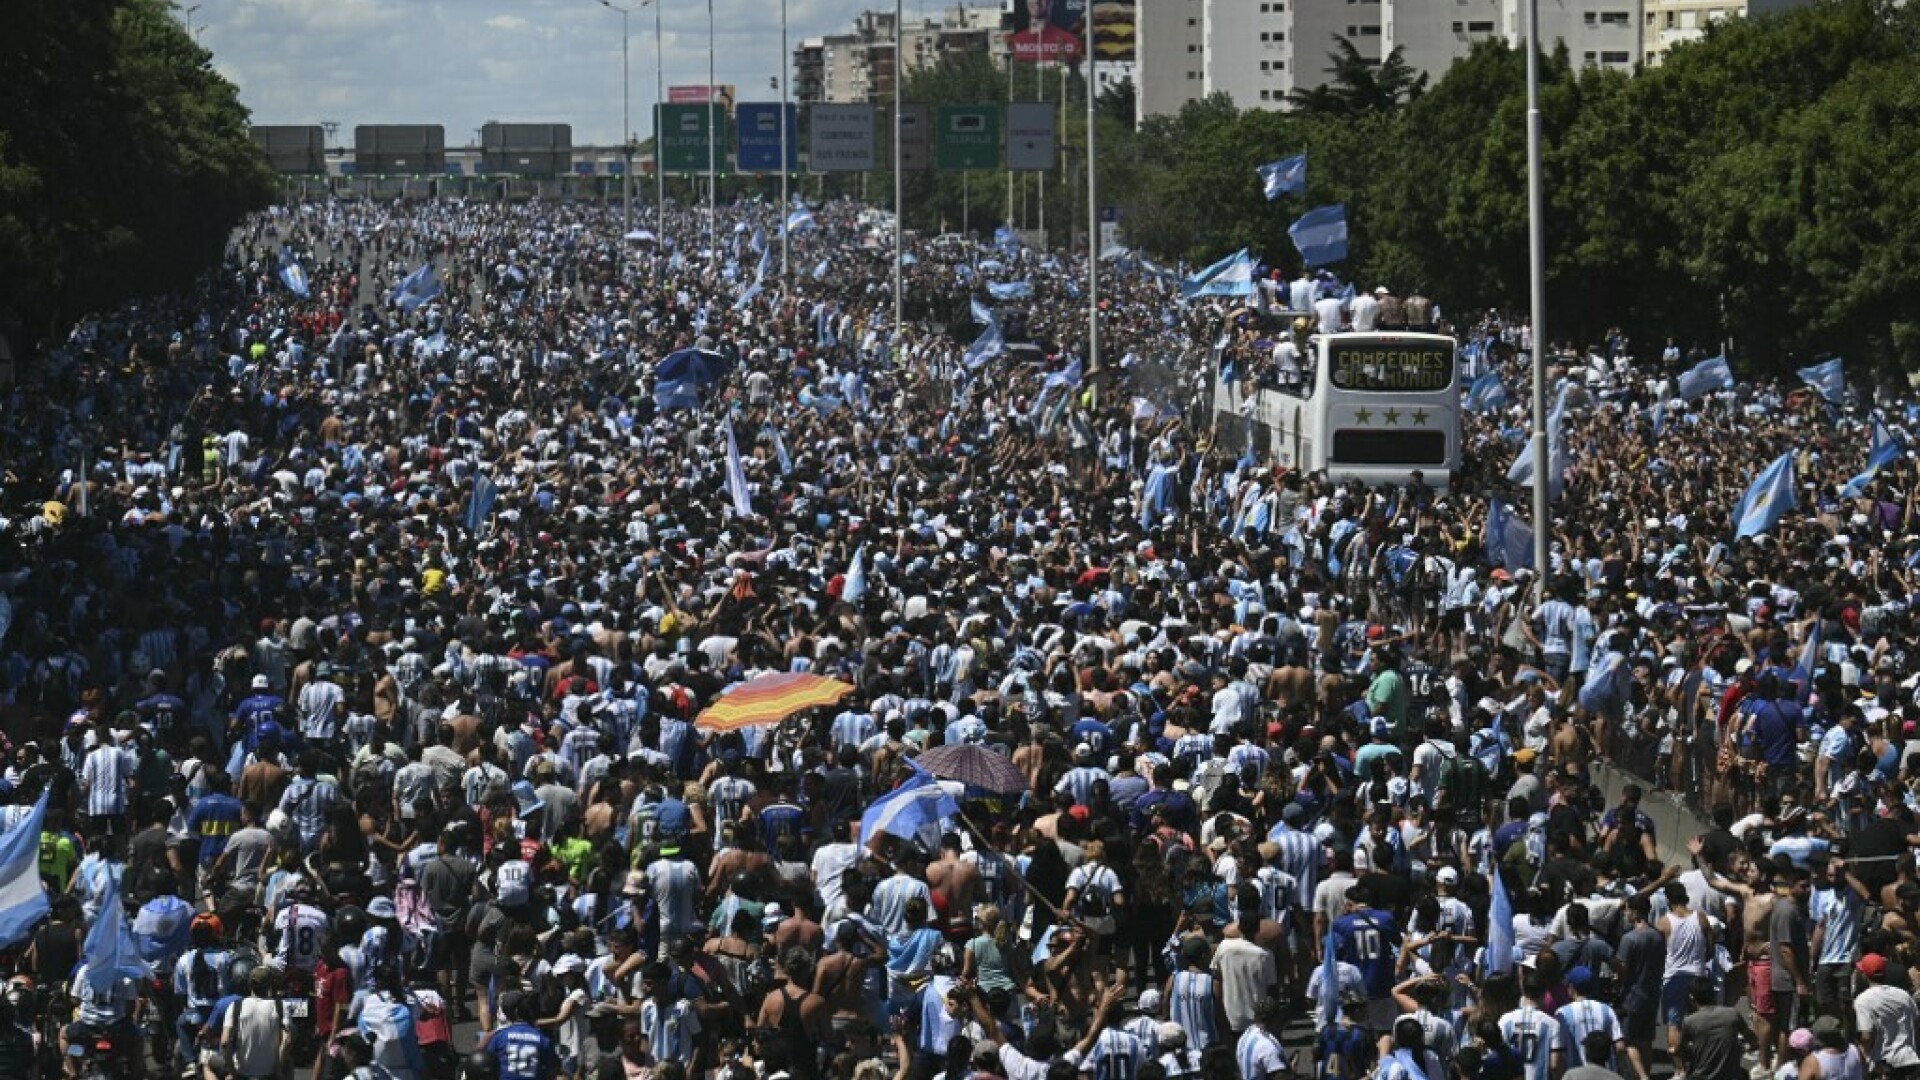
(713, 148)
(1537, 257)
(659, 106)
(786, 278)
(899, 188)
(1093, 223)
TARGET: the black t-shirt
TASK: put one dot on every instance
(146, 862)
(1389, 892)
(840, 790)
(1881, 837)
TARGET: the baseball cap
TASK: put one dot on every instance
(260, 682)
(381, 907)
(1149, 1001)
(1801, 1040)
(1380, 729)
(1872, 965)
(1525, 756)
(1448, 876)
(568, 964)
(1580, 978)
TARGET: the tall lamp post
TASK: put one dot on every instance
(626, 120)
(1537, 257)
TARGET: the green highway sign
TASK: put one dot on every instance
(966, 137)
(684, 137)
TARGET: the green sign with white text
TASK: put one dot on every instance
(685, 138)
(966, 137)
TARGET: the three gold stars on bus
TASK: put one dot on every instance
(1390, 417)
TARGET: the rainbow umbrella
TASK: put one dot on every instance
(770, 699)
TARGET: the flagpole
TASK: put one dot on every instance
(899, 211)
(1093, 223)
(659, 106)
(786, 277)
(1537, 257)
(713, 145)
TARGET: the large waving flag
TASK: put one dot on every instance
(110, 952)
(736, 476)
(416, 289)
(1068, 376)
(1010, 290)
(1827, 378)
(1486, 393)
(989, 344)
(1882, 450)
(1288, 176)
(1499, 927)
(1609, 681)
(780, 452)
(798, 220)
(982, 314)
(913, 812)
(1321, 234)
(1521, 471)
(1156, 498)
(23, 900)
(1767, 501)
(1705, 377)
(1231, 276)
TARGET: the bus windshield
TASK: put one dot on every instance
(1412, 366)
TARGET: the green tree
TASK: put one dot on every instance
(1358, 85)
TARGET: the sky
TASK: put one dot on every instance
(462, 63)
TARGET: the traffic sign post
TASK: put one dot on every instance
(967, 137)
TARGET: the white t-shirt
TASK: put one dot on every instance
(1889, 1017)
(254, 1024)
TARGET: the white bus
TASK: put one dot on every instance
(1373, 407)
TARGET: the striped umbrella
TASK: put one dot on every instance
(770, 699)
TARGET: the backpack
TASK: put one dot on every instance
(1462, 782)
(1094, 905)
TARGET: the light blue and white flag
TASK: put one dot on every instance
(855, 585)
(1321, 234)
(758, 241)
(989, 344)
(1507, 540)
(23, 899)
(1010, 290)
(480, 503)
(1704, 378)
(293, 277)
(1882, 450)
(416, 289)
(110, 953)
(915, 812)
(1231, 276)
(1486, 393)
(1288, 176)
(982, 314)
(1499, 928)
(1768, 500)
(1827, 378)
(1068, 377)
(820, 270)
(780, 452)
(798, 220)
(737, 476)
(747, 294)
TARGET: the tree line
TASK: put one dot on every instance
(124, 157)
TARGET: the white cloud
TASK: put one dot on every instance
(460, 63)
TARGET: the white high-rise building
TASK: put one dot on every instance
(1170, 57)
(1257, 52)
(1668, 23)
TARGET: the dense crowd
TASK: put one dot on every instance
(358, 642)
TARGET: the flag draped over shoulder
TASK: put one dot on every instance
(1486, 393)
(1507, 539)
(855, 585)
(1288, 176)
(110, 953)
(480, 505)
(913, 812)
(1767, 501)
(23, 900)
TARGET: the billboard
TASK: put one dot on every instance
(967, 137)
(701, 95)
(527, 149)
(757, 128)
(293, 150)
(916, 138)
(684, 138)
(1113, 23)
(842, 138)
(1050, 31)
(399, 148)
(1030, 136)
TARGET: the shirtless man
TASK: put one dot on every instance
(798, 931)
(1031, 759)
(955, 884)
(841, 975)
